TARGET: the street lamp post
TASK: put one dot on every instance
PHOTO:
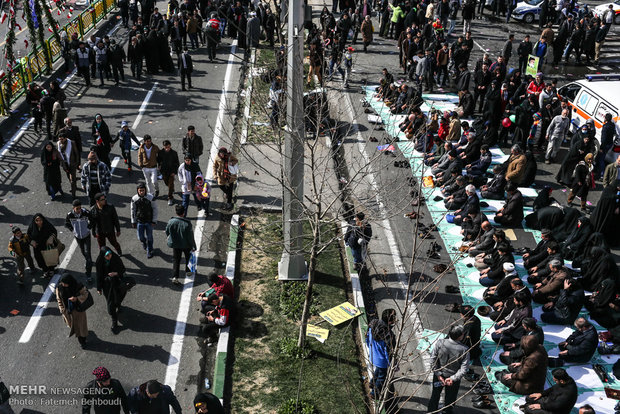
(292, 265)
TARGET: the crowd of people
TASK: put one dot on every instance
(498, 104)
(571, 271)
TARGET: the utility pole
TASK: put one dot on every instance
(292, 266)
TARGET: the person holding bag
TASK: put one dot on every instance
(42, 236)
(73, 300)
(110, 282)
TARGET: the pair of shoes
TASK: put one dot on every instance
(478, 398)
(114, 327)
(547, 162)
(176, 281)
(483, 390)
(149, 255)
(483, 404)
(156, 193)
(472, 377)
(170, 202)
(453, 307)
(455, 289)
(143, 246)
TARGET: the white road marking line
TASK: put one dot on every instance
(51, 288)
(220, 115)
(385, 223)
(174, 360)
(143, 106)
(606, 68)
(592, 68)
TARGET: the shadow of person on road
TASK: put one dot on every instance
(143, 352)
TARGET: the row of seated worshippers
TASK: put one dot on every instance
(526, 361)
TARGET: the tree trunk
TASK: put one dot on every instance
(305, 315)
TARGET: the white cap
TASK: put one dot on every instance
(509, 267)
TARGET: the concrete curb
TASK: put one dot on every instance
(358, 299)
(221, 356)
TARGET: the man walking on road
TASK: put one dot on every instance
(105, 223)
(153, 398)
(450, 360)
(147, 160)
(357, 237)
(104, 394)
(601, 34)
(144, 217)
(181, 238)
(192, 144)
(168, 164)
(96, 177)
(556, 133)
(70, 160)
(185, 68)
(78, 221)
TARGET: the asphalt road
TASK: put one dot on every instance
(151, 311)
(62, 19)
(394, 241)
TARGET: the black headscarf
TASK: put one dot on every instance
(41, 235)
(213, 403)
(109, 285)
(566, 227)
(543, 199)
(601, 266)
(73, 289)
(578, 238)
(595, 240)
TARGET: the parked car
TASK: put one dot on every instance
(599, 10)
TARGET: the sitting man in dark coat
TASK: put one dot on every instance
(472, 203)
(511, 215)
(580, 345)
(494, 189)
(513, 352)
(533, 257)
(559, 399)
(542, 269)
(566, 307)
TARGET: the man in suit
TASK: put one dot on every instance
(185, 68)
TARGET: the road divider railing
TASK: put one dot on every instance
(32, 67)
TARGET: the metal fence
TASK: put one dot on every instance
(33, 66)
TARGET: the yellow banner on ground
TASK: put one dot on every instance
(320, 334)
(340, 313)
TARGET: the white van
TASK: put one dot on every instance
(592, 98)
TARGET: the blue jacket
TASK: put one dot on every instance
(125, 137)
(378, 349)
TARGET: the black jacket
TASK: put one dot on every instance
(517, 353)
(560, 398)
(497, 184)
(140, 403)
(104, 221)
(102, 402)
(188, 62)
(513, 209)
(193, 146)
(168, 161)
(582, 345)
(569, 303)
(524, 49)
(354, 233)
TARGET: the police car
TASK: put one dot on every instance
(529, 11)
(599, 10)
